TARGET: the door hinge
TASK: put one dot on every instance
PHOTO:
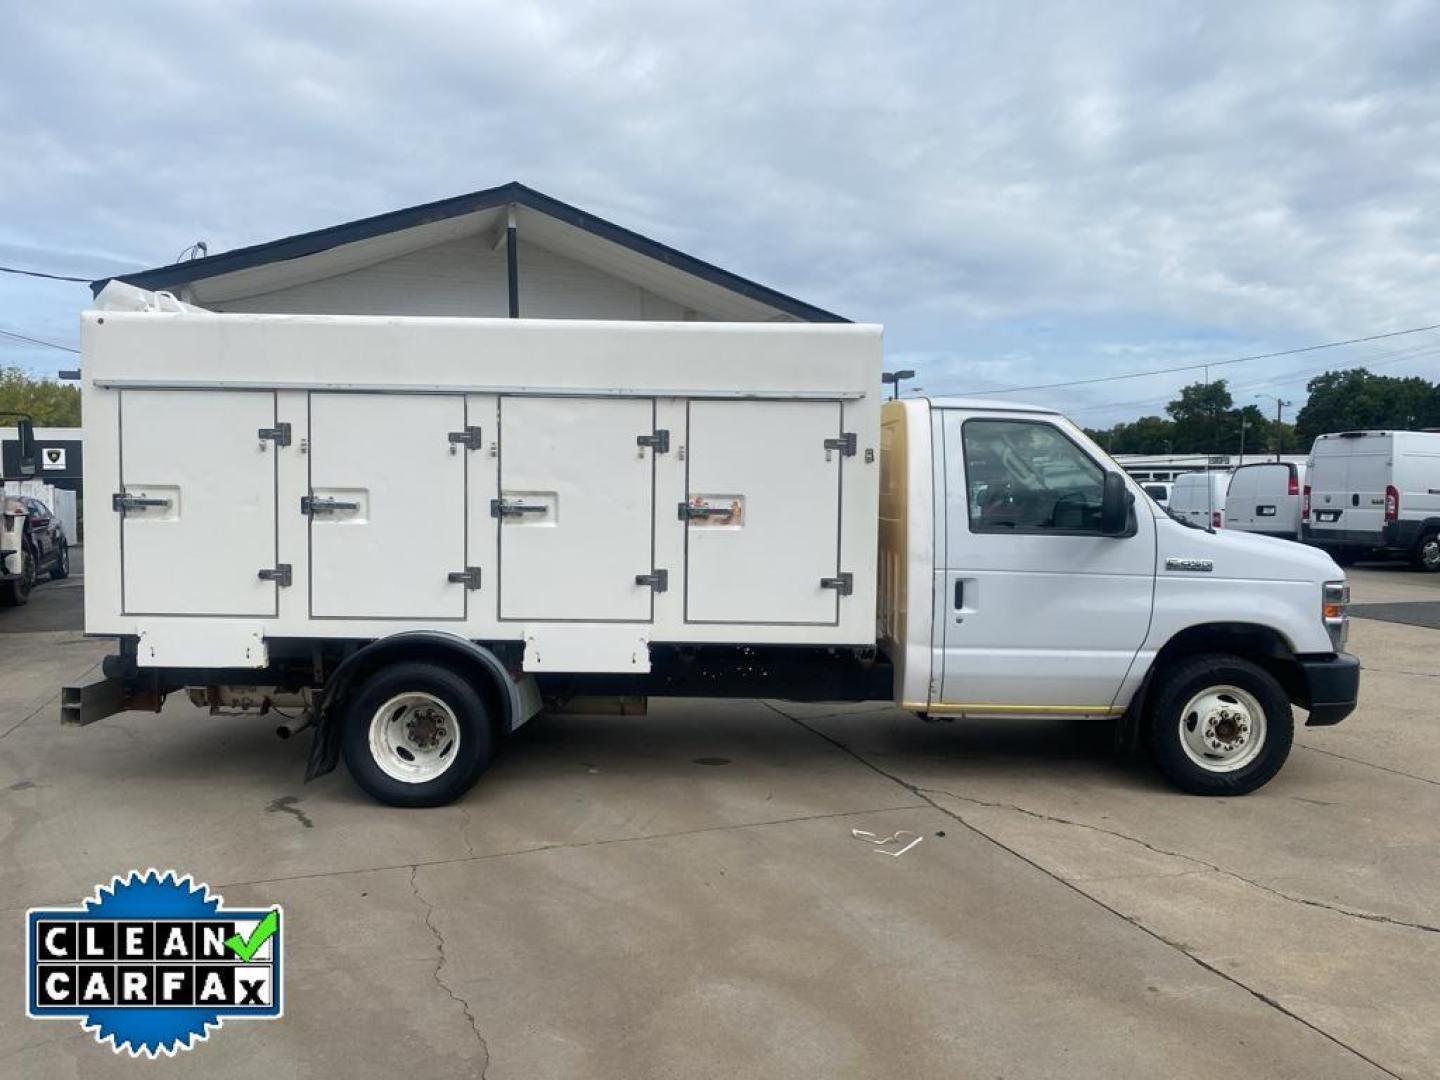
(310, 505)
(469, 438)
(279, 434)
(280, 575)
(847, 443)
(469, 577)
(842, 583)
(120, 502)
(659, 580)
(659, 442)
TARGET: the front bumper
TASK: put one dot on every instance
(1332, 687)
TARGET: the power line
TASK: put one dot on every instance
(1423, 352)
(42, 274)
(37, 341)
(1197, 367)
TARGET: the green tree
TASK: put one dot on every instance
(1201, 416)
(49, 403)
(1355, 399)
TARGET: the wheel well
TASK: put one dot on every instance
(1262, 645)
(481, 667)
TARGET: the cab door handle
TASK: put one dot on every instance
(959, 593)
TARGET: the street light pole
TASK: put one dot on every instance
(893, 380)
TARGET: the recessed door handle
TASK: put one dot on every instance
(959, 594)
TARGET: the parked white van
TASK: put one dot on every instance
(1198, 498)
(1265, 498)
(1159, 490)
(1375, 492)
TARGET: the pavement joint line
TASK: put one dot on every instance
(440, 960)
(1368, 764)
(46, 703)
(1368, 916)
(1073, 887)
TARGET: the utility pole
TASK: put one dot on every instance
(1280, 404)
(1244, 423)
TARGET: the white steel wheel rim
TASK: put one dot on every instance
(1222, 728)
(414, 737)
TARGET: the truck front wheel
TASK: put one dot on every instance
(1218, 725)
(417, 734)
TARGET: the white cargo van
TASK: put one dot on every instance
(1265, 498)
(615, 510)
(1375, 492)
(1198, 498)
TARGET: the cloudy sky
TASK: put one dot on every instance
(1023, 193)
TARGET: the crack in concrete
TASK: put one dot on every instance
(1075, 888)
(465, 831)
(1355, 913)
(1368, 764)
(541, 848)
(440, 965)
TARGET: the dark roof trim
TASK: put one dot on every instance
(311, 243)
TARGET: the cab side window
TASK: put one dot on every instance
(1026, 476)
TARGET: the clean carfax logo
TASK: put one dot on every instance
(153, 962)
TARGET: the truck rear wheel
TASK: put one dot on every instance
(417, 734)
(1218, 725)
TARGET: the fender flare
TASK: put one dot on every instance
(406, 645)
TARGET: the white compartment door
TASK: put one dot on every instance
(198, 487)
(576, 508)
(763, 518)
(387, 516)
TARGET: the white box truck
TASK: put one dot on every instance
(1374, 493)
(1265, 497)
(421, 531)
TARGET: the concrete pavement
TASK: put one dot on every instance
(680, 894)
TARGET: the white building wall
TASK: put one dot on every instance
(468, 277)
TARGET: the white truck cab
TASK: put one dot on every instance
(613, 511)
(1023, 574)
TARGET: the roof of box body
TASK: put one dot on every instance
(378, 237)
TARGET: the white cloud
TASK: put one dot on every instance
(1020, 192)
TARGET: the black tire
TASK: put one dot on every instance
(1176, 687)
(473, 751)
(1346, 556)
(1427, 553)
(16, 591)
(61, 569)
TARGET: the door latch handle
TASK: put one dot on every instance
(120, 502)
(959, 594)
(843, 583)
(281, 575)
(500, 508)
(687, 511)
(310, 505)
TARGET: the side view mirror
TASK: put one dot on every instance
(25, 437)
(1115, 504)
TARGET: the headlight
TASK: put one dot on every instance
(1335, 610)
